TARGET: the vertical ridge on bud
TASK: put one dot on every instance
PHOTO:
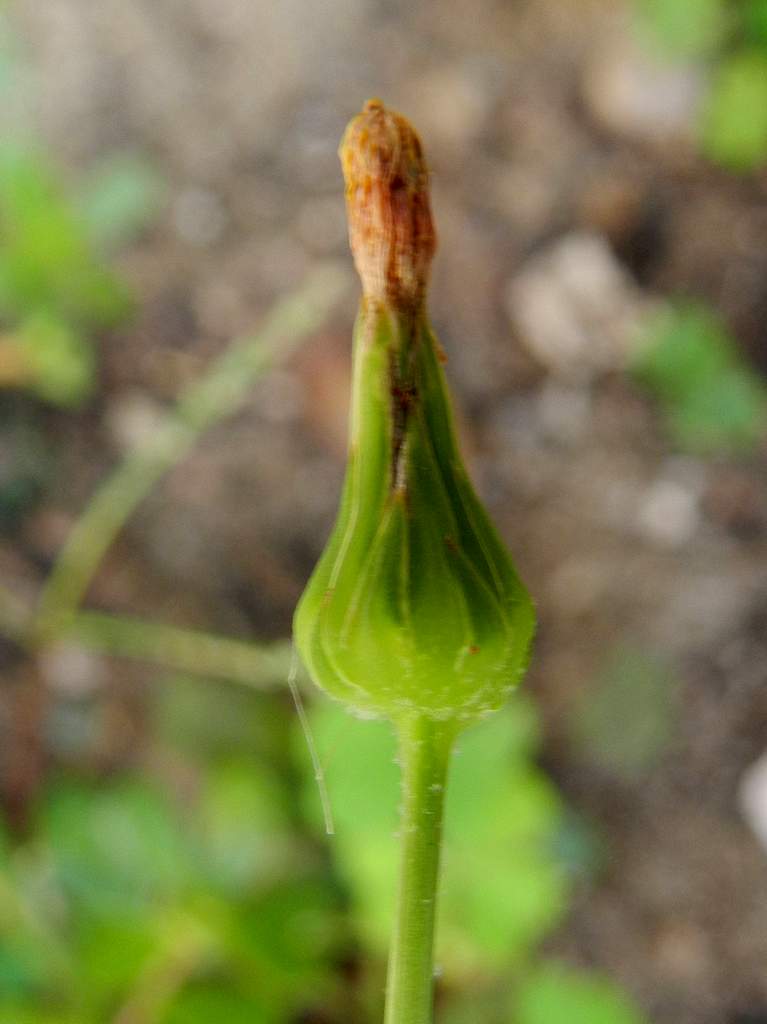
(387, 199)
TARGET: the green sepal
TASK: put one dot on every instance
(415, 604)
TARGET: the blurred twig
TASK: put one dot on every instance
(174, 647)
(186, 650)
(219, 393)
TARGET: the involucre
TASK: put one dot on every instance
(415, 605)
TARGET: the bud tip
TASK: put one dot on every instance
(387, 198)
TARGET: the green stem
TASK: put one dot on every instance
(424, 753)
(261, 667)
(221, 391)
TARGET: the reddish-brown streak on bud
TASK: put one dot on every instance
(387, 196)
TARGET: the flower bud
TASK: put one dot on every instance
(387, 201)
(415, 604)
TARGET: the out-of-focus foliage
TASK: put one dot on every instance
(555, 993)
(196, 885)
(685, 27)
(58, 363)
(56, 292)
(731, 35)
(502, 819)
(755, 20)
(507, 860)
(51, 290)
(46, 261)
(119, 200)
(734, 131)
(56, 296)
(188, 905)
(712, 401)
(209, 891)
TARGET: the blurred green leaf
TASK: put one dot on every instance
(291, 926)
(505, 889)
(46, 263)
(755, 21)
(209, 1005)
(470, 1004)
(282, 943)
(734, 130)
(363, 783)
(109, 954)
(244, 825)
(502, 887)
(21, 1013)
(712, 400)
(31, 965)
(21, 971)
(684, 350)
(556, 994)
(115, 848)
(61, 360)
(120, 201)
(727, 413)
(684, 27)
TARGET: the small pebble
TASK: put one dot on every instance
(71, 671)
(576, 308)
(132, 419)
(669, 514)
(752, 798)
(632, 93)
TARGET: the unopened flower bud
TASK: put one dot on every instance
(415, 605)
(387, 202)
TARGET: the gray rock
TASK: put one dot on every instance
(575, 308)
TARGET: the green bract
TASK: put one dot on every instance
(415, 605)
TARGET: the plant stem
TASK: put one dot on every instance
(221, 391)
(424, 753)
(259, 666)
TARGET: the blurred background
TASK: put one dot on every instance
(168, 181)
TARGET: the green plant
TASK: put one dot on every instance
(222, 390)
(135, 900)
(712, 400)
(124, 908)
(56, 292)
(555, 993)
(731, 35)
(414, 612)
(504, 820)
(734, 125)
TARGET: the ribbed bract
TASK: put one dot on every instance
(415, 603)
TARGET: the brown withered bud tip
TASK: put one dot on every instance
(387, 200)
